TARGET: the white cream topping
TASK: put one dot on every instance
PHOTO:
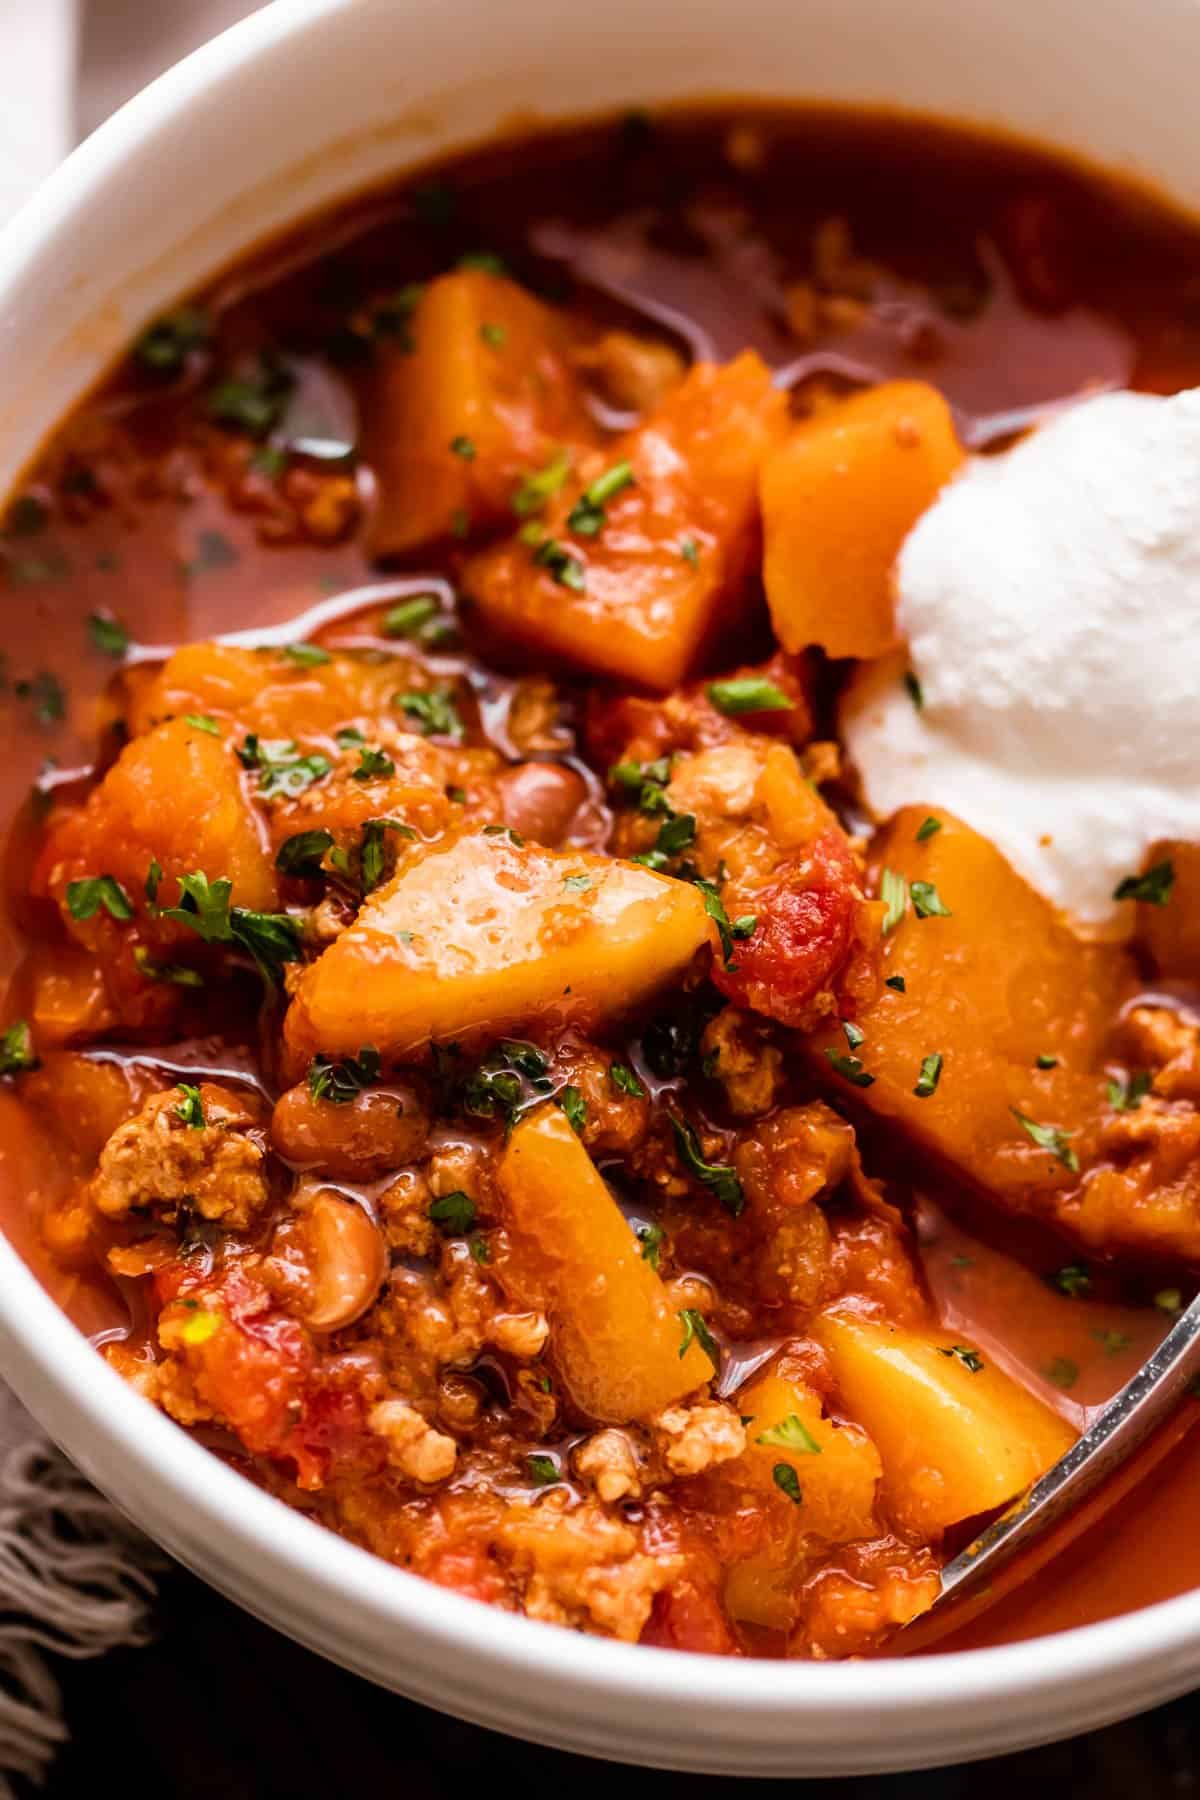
(1050, 600)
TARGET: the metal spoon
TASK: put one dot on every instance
(1129, 1418)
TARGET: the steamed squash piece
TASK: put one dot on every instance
(956, 1435)
(997, 984)
(829, 1495)
(838, 501)
(483, 934)
(484, 395)
(615, 1335)
(269, 692)
(175, 795)
(641, 582)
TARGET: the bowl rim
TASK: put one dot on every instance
(206, 1490)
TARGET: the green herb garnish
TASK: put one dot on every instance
(747, 694)
(719, 1178)
(191, 1108)
(1152, 889)
(1049, 1137)
(86, 897)
(341, 1082)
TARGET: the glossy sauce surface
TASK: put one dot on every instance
(1008, 280)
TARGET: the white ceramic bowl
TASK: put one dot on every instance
(309, 100)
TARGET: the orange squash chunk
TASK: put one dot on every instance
(956, 1435)
(661, 577)
(485, 396)
(174, 795)
(615, 1335)
(838, 501)
(480, 934)
(1171, 933)
(999, 983)
(836, 1470)
(267, 692)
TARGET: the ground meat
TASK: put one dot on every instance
(789, 1159)
(414, 1449)
(609, 1463)
(692, 1439)
(615, 1122)
(165, 1161)
(1163, 1040)
(737, 1048)
(634, 374)
(581, 1567)
(850, 1608)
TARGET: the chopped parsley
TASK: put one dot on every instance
(729, 931)
(574, 1107)
(409, 617)
(270, 939)
(453, 1213)
(202, 722)
(371, 855)
(543, 1470)
(1049, 1137)
(588, 517)
(1062, 1372)
(927, 902)
(494, 336)
(464, 447)
(854, 1034)
(16, 1049)
(928, 828)
(537, 489)
(1152, 889)
(46, 694)
(255, 401)
(499, 1086)
(931, 1074)
(557, 560)
(850, 1068)
(1113, 1342)
(647, 780)
(191, 1108)
(897, 984)
(303, 853)
(1072, 1280)
(1127, 1096)
(915, 691)
(969, 1358)
(282, 769)
(108, 635)
(676, 834)
(747, 694)
(788, 1482)
(164, 347)
(1046, 1061)
(373, 765)
(893, 891)
(343, 1081)
(689, 549)
(577, 884)
(86, 897)
(650, 1237)
(719, 1178)
(177, 974)
(695, 1329)
(1169, 1301)
(790, 1434)
(625, 1081)
(432, 711)
(306, 656)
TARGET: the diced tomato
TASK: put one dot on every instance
(804, 933)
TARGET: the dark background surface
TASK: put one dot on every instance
(220, 1705)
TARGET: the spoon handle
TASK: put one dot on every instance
(1128, 1419)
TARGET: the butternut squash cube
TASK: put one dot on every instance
(992, 984)
(956, 1435)
(269, 692)
(615, 1334)
(643, 582)
(485, 396)
(175, 795)
(838, 501)
(829, 1493)
(481, 934)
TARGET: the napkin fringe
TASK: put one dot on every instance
(76, 1580)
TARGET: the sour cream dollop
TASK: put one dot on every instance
(1050, 600)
